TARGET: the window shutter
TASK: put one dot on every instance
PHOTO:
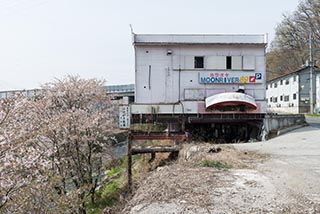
(249, 62)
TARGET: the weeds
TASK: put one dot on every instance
(215, 164)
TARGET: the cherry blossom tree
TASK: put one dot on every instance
(21, 164)
(57, 144)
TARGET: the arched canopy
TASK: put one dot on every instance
(230, 99)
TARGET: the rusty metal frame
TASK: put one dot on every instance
(150, 136)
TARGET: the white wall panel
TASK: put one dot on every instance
(249, 62)
(178, 62)
(189, 62)
(215, 62)
(194, 94)
(236, 62)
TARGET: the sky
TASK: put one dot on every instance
(41, 40)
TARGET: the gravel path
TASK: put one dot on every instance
(287, 181)
(294, 166)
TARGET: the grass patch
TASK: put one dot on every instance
(114, 188)
(113, 171)
(150, 127)
(215, 164)
(109, 194)
(313, 115)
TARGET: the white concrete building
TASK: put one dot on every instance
(176, 73)
(290, 93)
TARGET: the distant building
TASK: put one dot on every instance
(290, 93)
(118, 91)
(27, 93)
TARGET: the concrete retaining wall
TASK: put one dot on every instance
(275, 122)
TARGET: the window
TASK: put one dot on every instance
(275, 99)
(287, 81)
(286, 98)
(275, 84)
(281, 98)
(229, 62)
(294, 96)
(294, 78)
(281, 82)
(198, 62)
(270, 99)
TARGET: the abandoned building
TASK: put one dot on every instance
(290, 93)
(209, 84)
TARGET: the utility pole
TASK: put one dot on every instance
(311, 72)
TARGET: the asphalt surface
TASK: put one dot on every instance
(294, 164)
(313, 121)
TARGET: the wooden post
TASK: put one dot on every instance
(129, 156)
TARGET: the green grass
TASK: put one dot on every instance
(108, 195)
(215, 164)
(159, 127)
(313, 115)
(113, 171)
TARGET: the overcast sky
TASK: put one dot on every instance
(44, 39)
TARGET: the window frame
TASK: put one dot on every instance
(286, 98)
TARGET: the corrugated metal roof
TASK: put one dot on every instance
(260, 39)
(119, 88)
(316, 70)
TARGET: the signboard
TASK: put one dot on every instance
(124, 117)
(229, 77)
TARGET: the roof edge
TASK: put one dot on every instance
(293, 72)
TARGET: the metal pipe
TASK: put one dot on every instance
(149, 81)
(311, 73)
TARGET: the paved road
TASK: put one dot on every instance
(294, 165)
(313, 121)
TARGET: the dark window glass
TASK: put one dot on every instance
(198, 62)
(294, 96)
(287, 81)
(286, 98)
(229, 62)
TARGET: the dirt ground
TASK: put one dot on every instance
(186, 186)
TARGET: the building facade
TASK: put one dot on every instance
(176, 73)
(290, 93)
